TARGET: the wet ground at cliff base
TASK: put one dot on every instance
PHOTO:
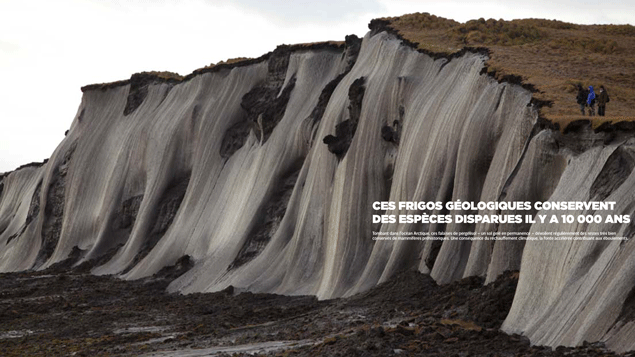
(61, 312)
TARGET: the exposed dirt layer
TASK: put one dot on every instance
(345, 130)
(52, 313)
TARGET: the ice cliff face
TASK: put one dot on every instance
(265, 174)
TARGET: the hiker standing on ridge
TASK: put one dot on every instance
(603, 98)
(581, 97)
(590, 101)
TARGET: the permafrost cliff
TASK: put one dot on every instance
(264, 172)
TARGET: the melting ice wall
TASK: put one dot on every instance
(231, 168)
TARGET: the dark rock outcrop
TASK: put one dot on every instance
(345, 131)
(54, 209)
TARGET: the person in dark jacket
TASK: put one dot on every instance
(590, 101)
(603, 98)
(581, 97)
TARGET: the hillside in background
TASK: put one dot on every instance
(553, 56)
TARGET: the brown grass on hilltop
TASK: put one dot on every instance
(552, 55)
(229, 61)
(166, 75)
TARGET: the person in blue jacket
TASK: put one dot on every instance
(590, 101)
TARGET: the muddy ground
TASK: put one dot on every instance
(60, 312)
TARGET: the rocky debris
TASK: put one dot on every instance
(66, 265)
(54, 208)
(51, 313)
(579, 135)
(345, 131)
(235, 137)
(62, 314)
(168, 206)
(170, 202)
(353, 45)
(126, 215)
(340, 143)
(263, 106)
(355, 97)
(139, 83)
(269, 217)
(628, 309)
(86, 266)
(180, 267)
(138, 92)
(434, 253)
(615, 171)
(391, 133)
(53, 215)
(318, 112)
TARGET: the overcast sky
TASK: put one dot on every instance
(49, 49)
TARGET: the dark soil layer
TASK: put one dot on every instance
(51, 313)
(345, 130)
